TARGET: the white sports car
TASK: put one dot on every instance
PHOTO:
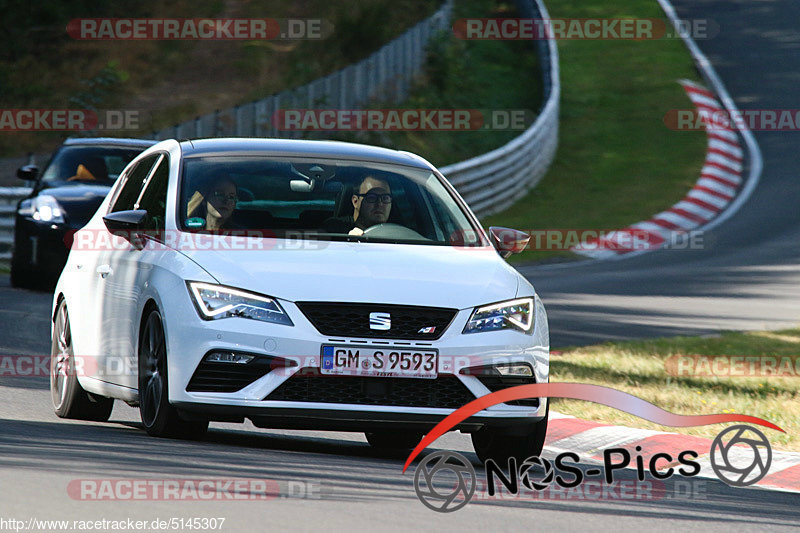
(302, 285)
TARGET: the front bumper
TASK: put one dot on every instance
(40, 247)
(191, 338)
(299, 418)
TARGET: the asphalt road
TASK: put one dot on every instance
(748, 274)
(747, 277)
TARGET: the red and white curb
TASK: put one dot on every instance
(588, 439)
(719, 183)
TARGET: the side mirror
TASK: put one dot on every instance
(125, 220)
(508, 241)
(28, 172)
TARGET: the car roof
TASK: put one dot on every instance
(106, 141)
(301, 148)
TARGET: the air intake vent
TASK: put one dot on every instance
(496, 383)
(308, 385)
(212, 375)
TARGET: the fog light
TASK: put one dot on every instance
(520, 369)
(229, 357)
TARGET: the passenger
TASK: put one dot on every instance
(215, 204)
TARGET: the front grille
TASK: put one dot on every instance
(353, 320)
(308, 385)
(230, 377)
(496, 383)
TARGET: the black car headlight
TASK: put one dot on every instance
(512, 314)
(44, 208)
(214, 302)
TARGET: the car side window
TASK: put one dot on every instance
(132, 186)
(153, 198)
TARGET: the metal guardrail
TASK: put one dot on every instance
(385, 75)
(493, 181)
(9, 196)
(489, 183)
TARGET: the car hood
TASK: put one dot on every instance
(79, 201)
(440, 276)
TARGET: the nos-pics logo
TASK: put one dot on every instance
(446, 481)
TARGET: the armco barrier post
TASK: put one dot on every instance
(9, 196)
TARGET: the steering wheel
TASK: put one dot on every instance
(389, 230)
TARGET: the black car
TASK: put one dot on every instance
(64, 198)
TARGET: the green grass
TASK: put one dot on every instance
(461, 74)
(639, 368)
(617, 162)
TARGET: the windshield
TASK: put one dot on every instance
(322, 199)
(95, 164)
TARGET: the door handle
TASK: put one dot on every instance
(105, 271)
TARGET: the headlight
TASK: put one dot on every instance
(44, 208)
(513, 314)
(214, 302)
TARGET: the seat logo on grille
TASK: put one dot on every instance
(380, 321)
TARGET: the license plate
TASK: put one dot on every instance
(379, 362)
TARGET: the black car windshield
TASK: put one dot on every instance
(321, 199)
(94, 164)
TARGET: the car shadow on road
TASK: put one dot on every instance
(344, 470)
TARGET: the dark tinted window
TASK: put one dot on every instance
(154, 197)
(100, 164)
(315, 197)
(133, 184)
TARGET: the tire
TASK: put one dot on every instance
(69, 398)
(499, 445)
(159, 417)
(390, 440)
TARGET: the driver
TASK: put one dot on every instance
(215, 204)
(371, 204)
